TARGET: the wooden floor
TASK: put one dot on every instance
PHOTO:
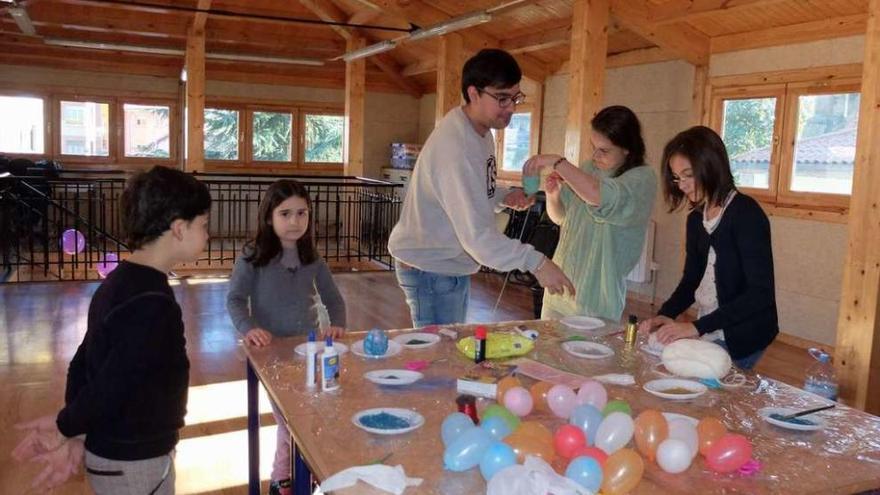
(42, 324)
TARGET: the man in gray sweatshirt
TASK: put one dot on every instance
(447, 227)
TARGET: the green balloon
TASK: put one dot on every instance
(501, 412)
(617, 406)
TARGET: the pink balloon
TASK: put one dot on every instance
(592, 393)
(111, 261)
(72, 241)
(562, 400)
(729, 453)
(518, 400)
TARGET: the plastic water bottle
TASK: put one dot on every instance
(821, 378)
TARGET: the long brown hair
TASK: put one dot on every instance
(266, 246)
(705, 151)
(621, 126)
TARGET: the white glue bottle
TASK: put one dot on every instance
(311, 361)
(329, 367)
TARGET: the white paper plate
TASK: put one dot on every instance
(657, 387)
(393, 349)
(672, 416)
(415, 420)
(765, 413)
(428, 339)
(587, 349)
(339, 346)
(654, 351)
(393, 377)
(582, 323)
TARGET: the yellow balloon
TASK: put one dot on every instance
(524, 444)
(709, 429)
(623, 471)
(539, 396)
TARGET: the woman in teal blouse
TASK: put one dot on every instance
(603, 208)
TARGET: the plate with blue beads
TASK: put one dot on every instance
(775, 415)
(388, 420)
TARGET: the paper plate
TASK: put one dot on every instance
(421, 340)
(671, 416)
(587, 349)
(817, 422)
(582, 323)
(393, 349)
(689, 389)
(339, 346)
(393, 377)
(414, 420)
(654, 351)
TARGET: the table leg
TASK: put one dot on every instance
(253, 431)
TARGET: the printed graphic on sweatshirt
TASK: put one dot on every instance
(491, 171)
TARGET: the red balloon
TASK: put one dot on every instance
(568, 439)
(729, 453)
(594, 452)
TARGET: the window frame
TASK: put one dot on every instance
(534, 141)
(112, 123)
(294, 130)
(48, 144)
(301, 136)
(239, 162)
(173, 132)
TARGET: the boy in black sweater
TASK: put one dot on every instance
(127, 383)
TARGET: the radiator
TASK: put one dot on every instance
(644, 269)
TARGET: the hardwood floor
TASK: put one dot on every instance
(42, 324)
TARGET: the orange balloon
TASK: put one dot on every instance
(650, 429)
(623, 471)
(537, 430)
(539, 396)
(505, 384)
(709, 429)
(524, 444)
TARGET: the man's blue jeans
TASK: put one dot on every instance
(433, 298)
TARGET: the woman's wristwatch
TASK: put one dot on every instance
(557, 162)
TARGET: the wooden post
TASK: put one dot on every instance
(589, 48)
(450, 59)
(195, 100)
(699, 102)
(355, 81)
(857, 354)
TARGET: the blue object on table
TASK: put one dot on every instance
(710, 382)
(531, 184)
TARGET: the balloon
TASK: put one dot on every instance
(684, 430)
(650, 430)
(530, 443)
(592, 393)
(568, 439)
(537, 430)
(518, 401)
(615, 431)
(709, 429)
(505, 384)
(729, 453)
(111, 261)
(539, 396)
(561, 399)
(454, 425)
(467, 450)
(497, 457)
(674, 456)
(496, 427)
(622, 472)
(501, 412)
(593, 452)
(588, 419)
(72, 241)
(586, 472)
(617, 406)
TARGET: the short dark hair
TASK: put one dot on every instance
(265, 246)
(153, 200)
(710, 165)
(490, 67)
(621, 126)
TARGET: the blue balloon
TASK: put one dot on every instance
(467, 450)
(587, 418)
(496, 427)
(454, 425)
(497, 457)
(586, 472)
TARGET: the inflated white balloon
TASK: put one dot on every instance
(614, 432)
(673, 456)
(684, 430)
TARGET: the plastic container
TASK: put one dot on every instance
(329, 367)
(311, 361)
(821, 378)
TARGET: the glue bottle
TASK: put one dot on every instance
(311, 361)
(329, 367)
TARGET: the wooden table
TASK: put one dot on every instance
(843, 458)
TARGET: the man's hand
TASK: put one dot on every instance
(553, 279)
(41, 436)
(518, 200)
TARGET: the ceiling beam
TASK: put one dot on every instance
(684, 10)
(201, 18)
(795, 33)
(422, 66)
(681, 39)
(556, 33)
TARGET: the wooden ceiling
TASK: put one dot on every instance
(536, 31)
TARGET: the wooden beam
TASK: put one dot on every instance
(681, 40)
(450, 59)
(589, 48)
(683, 10)
(364, 16)
(857, 353)
(355, 82)
(195, 100)
(795, 33)
(699, 96)
(538, 41)
(421, 66)
(201, 18)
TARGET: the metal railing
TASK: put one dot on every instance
(352, 217)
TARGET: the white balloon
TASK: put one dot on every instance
(673, 456)
(684, 430)
(614, 432)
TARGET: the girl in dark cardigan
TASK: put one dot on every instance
(728, 268)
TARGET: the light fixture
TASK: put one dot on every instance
(271, 60)
(454, 24)
(374, 49)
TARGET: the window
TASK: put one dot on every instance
(147, 131)
(747, 130)
(271, 136)
(85, 128)
(26, 132)
(221, 134)
(323, 138)
(516, 142)
(825, 143)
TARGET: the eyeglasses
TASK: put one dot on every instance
(505, 100)
(683, 178)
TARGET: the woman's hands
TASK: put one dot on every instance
(258, 337)
(669, 330)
